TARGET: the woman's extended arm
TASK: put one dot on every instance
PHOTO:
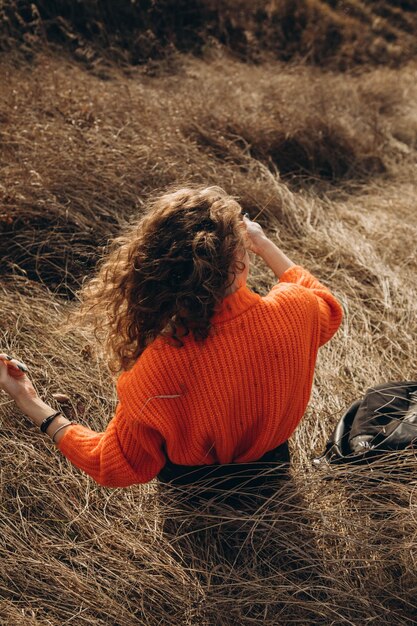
(124, 454)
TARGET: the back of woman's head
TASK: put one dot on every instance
(165, 274)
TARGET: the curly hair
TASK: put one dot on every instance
(165, 274)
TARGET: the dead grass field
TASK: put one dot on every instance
(338, 34)
(327, 161)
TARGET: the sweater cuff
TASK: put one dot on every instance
(292, 274)
(66, 444)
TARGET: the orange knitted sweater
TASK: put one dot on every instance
(231, 398)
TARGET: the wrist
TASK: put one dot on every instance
(265, 245)
(261, 244)
(275, 258)
(58, 423)
(35, 409)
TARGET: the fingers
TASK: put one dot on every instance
(10, 370)
(62, 398)
(14, 363)
(8, 361)
(4, 373)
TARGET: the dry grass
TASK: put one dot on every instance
(78, 157)
(338, 34)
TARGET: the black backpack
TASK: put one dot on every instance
(383, 420)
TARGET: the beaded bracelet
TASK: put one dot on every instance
(63, 426)
(48, 420)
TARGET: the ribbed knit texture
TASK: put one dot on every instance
(231, 398)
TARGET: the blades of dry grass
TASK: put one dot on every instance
(339, 35)
(78, 158)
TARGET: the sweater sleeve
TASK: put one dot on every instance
(124, 454)
(329, 308)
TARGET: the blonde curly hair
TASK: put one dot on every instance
(165, 274)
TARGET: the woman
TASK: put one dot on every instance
(209, 373)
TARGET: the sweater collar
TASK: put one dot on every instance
(235, 303)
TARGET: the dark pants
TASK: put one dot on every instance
(232, 483)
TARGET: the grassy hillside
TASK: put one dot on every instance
(336, 33)
(326, 162)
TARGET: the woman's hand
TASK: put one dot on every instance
(15, 382)
(255, 235)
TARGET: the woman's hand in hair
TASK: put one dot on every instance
(256, 237)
